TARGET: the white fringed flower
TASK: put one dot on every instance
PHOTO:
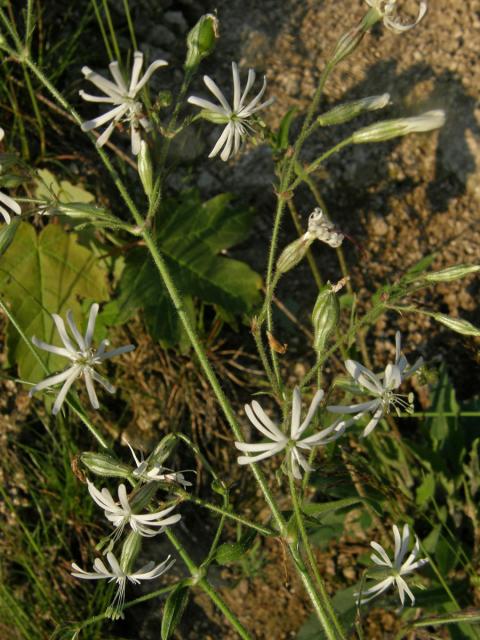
(396, 569)
(279, 441)
(127, 107)
(388, 10)
(383, 387)
(117, 575)
(83, 356)
(7, 203)
(238, 118)
(121, 514)
(150, 473)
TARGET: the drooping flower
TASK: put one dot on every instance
(6, 202)
(388, 10)
(84, 359)
(382, 386)
(121, 514)
(151, 472)
(116, 574)
(279, 441)
(238, 118)
(125, 98)
(396, 569)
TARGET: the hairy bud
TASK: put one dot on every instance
(201, 40)
(451, 273)
(389, 129)
(145, 168)
(294, 253)
(102, 464)
(325, 317)
(346, 112)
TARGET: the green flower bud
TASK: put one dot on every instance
(142, 497)
(130, 550)
(325, 317)
(163, 450)
(350, 40)
(145, 168)
(389, 129)
(102, 464)
(294, 253)
(456, 324)
(451, 273)
(350, 110)
(201, 40)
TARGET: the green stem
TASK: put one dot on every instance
(204, 584)
(316, 163)
(323, 607)
(266, 531)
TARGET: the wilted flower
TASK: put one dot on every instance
(127, 107)
(150, 472)
(395, 569)
(278, 441)
(84, 359)
(322, 229)
(238, 118)
(120, 577)
(120, 513)
(5, 201)
(382, 386)
(388, 10)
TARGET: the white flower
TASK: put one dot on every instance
(5, 201)
(238, 117)
(322, 229)
(388, 10)
(120, 513)
(396, 569)
(117, 575)
(149, 473)
(84, 359)
(382, 386)
(124, 97)
(278, 441)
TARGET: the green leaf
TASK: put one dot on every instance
(468, 616)
(282, 141)
(190, 234)
(174, 609)
(47, 186)
(426, 490)
(43, 273)
(418, 268)
(313, 509)
(232, 551)
(345, 607)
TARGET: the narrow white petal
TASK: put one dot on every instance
(91, 389)
(63, 333)
(381, 552)
(107, 86)
(217, 93)
(59, 351)
(6, 216)
(248, 86)
(74, 329)
(261, 456)
(117, 76)
(149, 72)
(75, 372)
(263, 422)
(296, 412)
(115, 352)
(103, 381)
(102, 139)
(251, 105)
(317, 398)
(253, 447)
(206, 104)
(370, 405)
(364, 376)
(225, 155)
(373, 422)
(52, 380)
(101, 99)
(236, 86)
(375, 591)
(136, 139)
(221, 141)
(112, 114)
(10, 203)
(146, 573)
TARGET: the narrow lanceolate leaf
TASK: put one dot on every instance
(43, 273)
(456, 324)
(175, 606)
(467, 616)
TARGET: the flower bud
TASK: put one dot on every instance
(325, 317)
(294, 253)
(163, 450)
(130, 550)
(145, 168)
(201, 40)
(350, 110)
(451, 273)
(350, 40)
(102, 464)
(456, 324)
(388, 129)
(143, 496)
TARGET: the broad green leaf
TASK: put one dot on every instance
(233, 551)
(43, 273)
(282, 138)
(190, 235)
(47, 186)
